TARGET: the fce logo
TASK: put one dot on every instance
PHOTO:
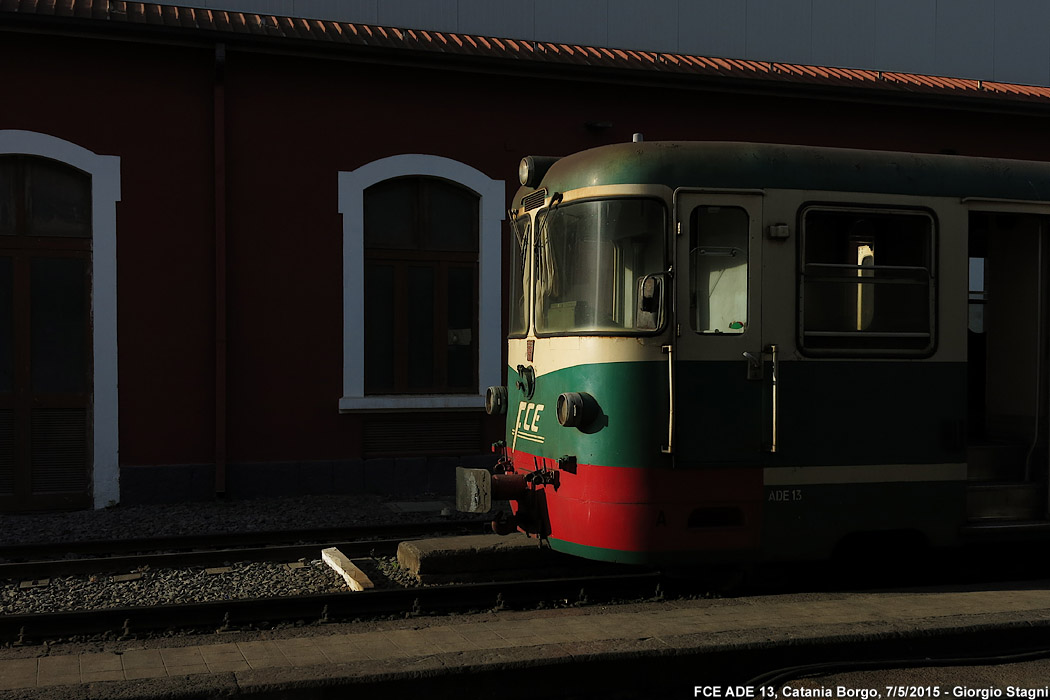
(533, 409)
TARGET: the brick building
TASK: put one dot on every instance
(251, 254)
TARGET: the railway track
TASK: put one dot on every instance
(105, 548)
(36, 561)
(88, 559)
(176, 560)
(254, 613)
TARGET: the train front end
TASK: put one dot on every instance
(586, 463)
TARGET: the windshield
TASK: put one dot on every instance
(519, 281)
(592, 262)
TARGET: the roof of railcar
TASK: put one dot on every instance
(766, 166)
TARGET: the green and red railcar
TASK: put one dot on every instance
(751, 352)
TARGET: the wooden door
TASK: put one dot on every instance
(45, 335)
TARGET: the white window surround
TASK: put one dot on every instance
(105, 193)
(492, 194)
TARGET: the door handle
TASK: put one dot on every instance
(755, 373)
(754, 367)
(772, 350)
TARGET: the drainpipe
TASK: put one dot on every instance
(1039, 327)
(219, 158)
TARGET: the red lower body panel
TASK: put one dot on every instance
(641, 511)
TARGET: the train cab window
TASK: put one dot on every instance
(718, 260)
(867, 281)
(600, 267)
(519, 277)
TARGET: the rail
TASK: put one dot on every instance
(98, 548)
(320, 608)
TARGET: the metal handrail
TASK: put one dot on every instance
(772, 350)
(669, 449)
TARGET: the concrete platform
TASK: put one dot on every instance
(668, 648)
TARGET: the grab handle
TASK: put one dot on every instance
(772, 350)
(669, 447)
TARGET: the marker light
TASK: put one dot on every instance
(496, 400)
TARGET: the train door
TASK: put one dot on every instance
(1009, 265)
(718, 351)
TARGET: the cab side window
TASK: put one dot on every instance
(867, 282)
(718, 261)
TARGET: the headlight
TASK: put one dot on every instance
(576, 409)
(531, 169)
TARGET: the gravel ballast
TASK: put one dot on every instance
(150, 587)
(215, 517)
(168, 587)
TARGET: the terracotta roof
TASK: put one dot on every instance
(228, 26)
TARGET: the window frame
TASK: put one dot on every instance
(491, 198)
(104, 171)
(694, 228)
(932, 286)
(427, 254)
(524, 274)
(538, 224)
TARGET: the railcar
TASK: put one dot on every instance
(727, 352)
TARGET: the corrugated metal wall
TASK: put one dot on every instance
(1002, 40)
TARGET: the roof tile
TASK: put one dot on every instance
(153, 14)
(364, 35)
(206, 20)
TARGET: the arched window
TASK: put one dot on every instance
(421, 284)
(421, 269)
(45, 333)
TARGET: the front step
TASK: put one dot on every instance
(1009, 502)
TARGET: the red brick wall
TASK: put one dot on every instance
(292, 123)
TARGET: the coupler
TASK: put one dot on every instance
(476, 489)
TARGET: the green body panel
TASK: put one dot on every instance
(720, 416)
(829, 413)
(768, 166)
(632, 397)
(872, 412)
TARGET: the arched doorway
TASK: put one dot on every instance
(45, 334)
